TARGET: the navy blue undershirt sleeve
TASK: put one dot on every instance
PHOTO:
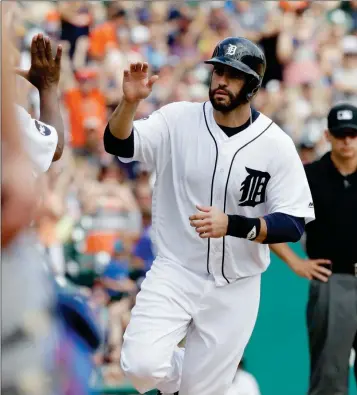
(283, 228)
(123, 148)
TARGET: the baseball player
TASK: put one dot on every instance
(27, 302)
(229, 182)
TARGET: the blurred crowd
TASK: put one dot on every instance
(96, 227)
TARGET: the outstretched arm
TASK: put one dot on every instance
(44, 74)
(137, 86)
(146, 140)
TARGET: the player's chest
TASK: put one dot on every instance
(228, 170)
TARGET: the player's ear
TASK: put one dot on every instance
(328, 135)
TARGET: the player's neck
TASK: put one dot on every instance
(235, 118)
(344, 166)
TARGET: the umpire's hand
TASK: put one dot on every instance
(312, 269)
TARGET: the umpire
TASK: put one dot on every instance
(331, 245)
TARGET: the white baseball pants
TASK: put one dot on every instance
(175, 302)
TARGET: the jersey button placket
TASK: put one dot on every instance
(219, 190)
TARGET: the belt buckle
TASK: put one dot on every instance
(355, 269)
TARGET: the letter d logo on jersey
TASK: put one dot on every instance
(254, 187)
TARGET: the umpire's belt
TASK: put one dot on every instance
(343, 268)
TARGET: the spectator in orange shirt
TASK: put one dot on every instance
(83, 99)
(106, 34)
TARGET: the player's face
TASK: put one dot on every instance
(344, 146)
(225, 88)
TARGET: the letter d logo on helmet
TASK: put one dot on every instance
(243, 55)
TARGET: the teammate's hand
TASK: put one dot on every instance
(209, 222)
(136, 83)
(312, 269)
(45, 70)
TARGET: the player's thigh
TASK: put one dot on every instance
(160, 317)
(332, 325)
(218, 336)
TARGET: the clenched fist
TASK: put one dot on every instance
(136, 84)
(209, 222)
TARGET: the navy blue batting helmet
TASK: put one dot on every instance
(242, 54)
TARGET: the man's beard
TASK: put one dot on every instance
(232, 104)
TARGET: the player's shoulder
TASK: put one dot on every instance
(177, 109)
(276, 136)
(31, 126)
(22, 115)
(40, 139)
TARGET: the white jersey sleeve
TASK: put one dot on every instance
(151, 140)
(40, 140)
(288, 190)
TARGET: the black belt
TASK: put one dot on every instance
(339, 268)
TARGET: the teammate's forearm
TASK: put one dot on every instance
(50, 113)
(284, 252)
(121, 121)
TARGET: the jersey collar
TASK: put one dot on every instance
(243, 137)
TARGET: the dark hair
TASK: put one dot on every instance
(119, 13)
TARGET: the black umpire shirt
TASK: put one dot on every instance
(333, 235)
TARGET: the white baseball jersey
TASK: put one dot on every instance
(253, 173)
(40, 140)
